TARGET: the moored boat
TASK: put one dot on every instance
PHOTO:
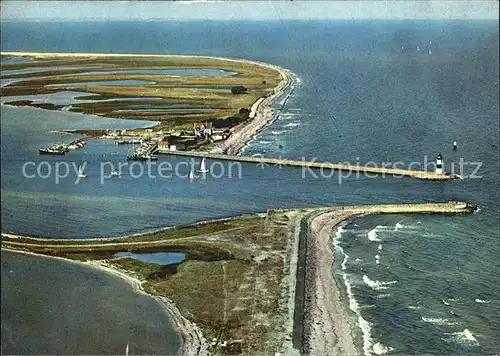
(50, 151)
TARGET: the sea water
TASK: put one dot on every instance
(362, 92)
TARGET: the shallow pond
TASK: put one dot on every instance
(159, 258)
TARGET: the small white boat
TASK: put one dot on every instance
(191, 174)
(430, 52)
(115, 174)
(126, 350)
(80, 173)
(203, 168)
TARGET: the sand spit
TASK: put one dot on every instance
(310, 295)
(327, 329)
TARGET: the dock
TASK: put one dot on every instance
(425, 175)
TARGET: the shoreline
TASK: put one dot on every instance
(327, 328)
(242, 133)
(263, 116)
(192, 340)
(327, 325)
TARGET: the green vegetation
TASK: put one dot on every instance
(232, 282)
(175, 101)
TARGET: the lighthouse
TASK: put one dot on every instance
(439, 164)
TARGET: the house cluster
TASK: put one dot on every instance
(209, 132)
(201, 134)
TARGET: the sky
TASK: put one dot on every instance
(248, 10)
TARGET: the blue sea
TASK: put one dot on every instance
(364, 91)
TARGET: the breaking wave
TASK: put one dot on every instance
(439, 321)
(481, 301)
(463, 337)
(377, 285)
(380, 349)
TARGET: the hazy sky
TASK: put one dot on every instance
(250, 10)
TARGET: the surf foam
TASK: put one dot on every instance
(381, 349)
(377, 285)
(438, 321)
(464, 336)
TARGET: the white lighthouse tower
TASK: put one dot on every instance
(439, 164)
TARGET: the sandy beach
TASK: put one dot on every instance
(262, 116)
(193, 342)
(327, 331)
(326, 325)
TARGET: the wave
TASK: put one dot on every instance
(439, 321)
(372, 235)
(366, 328)
(380, 349)
(343, 265)
(445, 302)
(377, 285)
(464, 336)
(385, 295)
(353, 304)
(482, 301)
(413, 307)
(265, 142)
(292, 124)
(400, 226)
(277, 132)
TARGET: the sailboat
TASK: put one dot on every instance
(203, 168)
(115, 174)
(126, 350)
(191, 174)
(80, 173)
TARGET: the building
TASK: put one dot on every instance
(163, 146)
(203, 130)
(177, 147)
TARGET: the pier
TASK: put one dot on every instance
(426, 175)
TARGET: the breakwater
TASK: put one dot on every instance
(426, 175)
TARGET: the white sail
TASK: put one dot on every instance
(191, 175)
(203, 168)
(80, 173)
(126, 350)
